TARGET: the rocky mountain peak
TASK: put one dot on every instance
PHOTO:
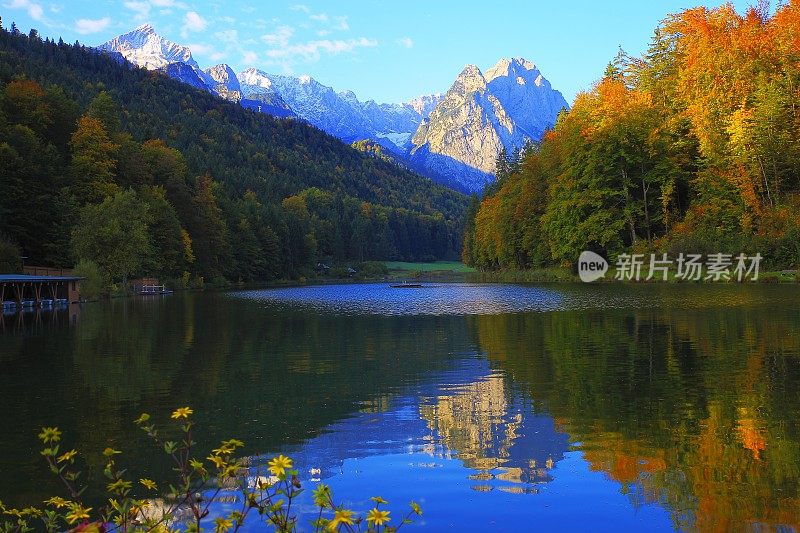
(515, 67)
(145, 48)
(481, 115)
(222, 73)
(470, 79)
(144, 28)
(223, 81)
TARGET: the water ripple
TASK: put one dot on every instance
(490, 299)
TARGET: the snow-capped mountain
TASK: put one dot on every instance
(341, 114)
(145, 48)
(480, 115)
(453, 138)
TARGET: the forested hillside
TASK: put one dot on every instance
(145, 175)
(694, 147)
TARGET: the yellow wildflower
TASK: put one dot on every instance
(119, 485)
(77, 512)
(182, 412)
(222, 524)
(416, 508)
(377, 517)
(50, 435)
(67, 456)
(278, 465)
(148, 483)
(341, 517)
(230, 471)
(218, 461)
(57, 501)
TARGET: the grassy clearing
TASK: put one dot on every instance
(539, 275)
(438, 266)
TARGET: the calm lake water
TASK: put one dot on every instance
(497, 407)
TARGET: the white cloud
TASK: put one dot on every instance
(249, 57)
(319, 17)
(301, 7)
(200, 48)
(280, 37)
(312, 50)
(142, 9)
(207, 50)
(341, 24)
(86, 26)
(405, 42)
(35, 11)
(227, 36)
(192, 21)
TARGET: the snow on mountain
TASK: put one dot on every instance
(145, 48)
(423, 105)
(341, 114)
(257, 87)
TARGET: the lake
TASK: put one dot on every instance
(496, 407)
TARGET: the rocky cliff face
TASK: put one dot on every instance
(482, 114)
(222, 81)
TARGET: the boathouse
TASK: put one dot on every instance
(28, 290)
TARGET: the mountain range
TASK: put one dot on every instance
(453, 138)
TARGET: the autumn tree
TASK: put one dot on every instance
(93, 162)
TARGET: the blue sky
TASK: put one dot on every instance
(389, 51)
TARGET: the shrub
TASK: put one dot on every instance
(147, 506)
(372, 269)
(93, 285)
